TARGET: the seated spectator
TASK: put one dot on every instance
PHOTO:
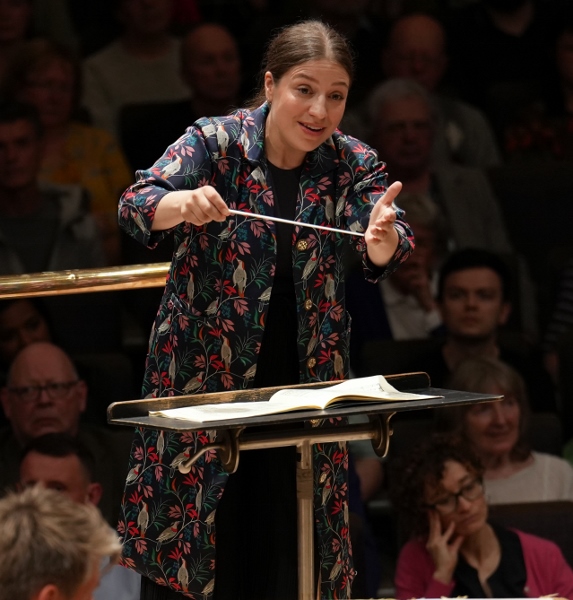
(498, 433)
(46, 227)
(51, 547)
(211, 68)
(143, 65)
(416, 49)
(497, 54)
(403, 132)
(402, 306)
(560, 323)
(454, 550)
(22, 322)
(60, 462)
(474, 297)
(52, 217)
(46, 76)
(543, 129)
(16, 19)
(363, 30)
(44, 395)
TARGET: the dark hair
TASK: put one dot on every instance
(12, 111)
(300, 43)
(425, 466)
(61, 445)
(478, 375)
(475, 258)
(34, 55)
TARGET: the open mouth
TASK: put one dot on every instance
(312, 128)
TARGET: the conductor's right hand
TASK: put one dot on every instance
(203, 205)
(199, 206)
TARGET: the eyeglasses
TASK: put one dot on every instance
(447, 505)
(56, 391)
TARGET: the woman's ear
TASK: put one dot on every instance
(269, 86)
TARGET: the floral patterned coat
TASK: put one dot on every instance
(210, 323)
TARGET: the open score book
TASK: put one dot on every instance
(361, 389)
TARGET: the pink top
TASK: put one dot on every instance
(547, 571)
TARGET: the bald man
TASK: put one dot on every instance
(416, 49)
(44, 394)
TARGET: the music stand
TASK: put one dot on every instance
(233, 435)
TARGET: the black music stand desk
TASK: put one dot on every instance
(234, 435)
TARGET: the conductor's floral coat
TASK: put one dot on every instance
(209, 328)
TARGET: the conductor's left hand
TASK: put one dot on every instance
(381, 226)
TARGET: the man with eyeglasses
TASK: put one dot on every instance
(45, 395)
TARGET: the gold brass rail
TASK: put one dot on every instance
(79, 281)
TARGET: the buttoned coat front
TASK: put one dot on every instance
(209, 328)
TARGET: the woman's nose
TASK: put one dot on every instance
(498, 416)
(318, 107)
(463, 503)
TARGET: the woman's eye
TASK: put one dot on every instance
(337, 97)
(304, 90)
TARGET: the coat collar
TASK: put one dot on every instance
(322, 160)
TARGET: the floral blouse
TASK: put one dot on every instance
(209, 328)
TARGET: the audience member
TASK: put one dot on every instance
(60, 462)
(15, 23)
(23, 321)
(498, 433)
(85, 26)
(211, 68)
(53, 20)
(498, 57)
(364, 32)
(454, 550)
(46, 227)
(416, 49)
(474, 297)
(47, 76)
(51, 547)
(403, 132)
(44, 395)
(402, 306)
(560, 324)
(543, 129)
(142, 65)
(43, 227)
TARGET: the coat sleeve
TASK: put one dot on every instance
(414, 572)
(369, 184)
(185, 165)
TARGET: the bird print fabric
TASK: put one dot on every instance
(209, 327)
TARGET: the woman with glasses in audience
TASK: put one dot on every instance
(454, 550)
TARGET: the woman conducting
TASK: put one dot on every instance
(454, 550)
(253, 303)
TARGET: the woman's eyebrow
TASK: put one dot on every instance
(314, 80)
